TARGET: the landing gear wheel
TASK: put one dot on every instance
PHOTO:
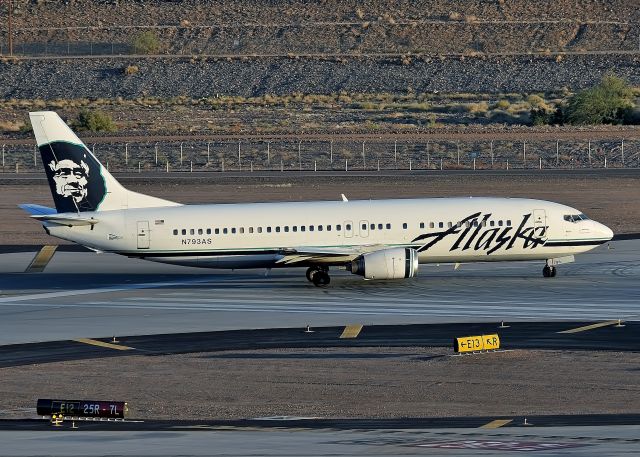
(549, 271)
(312, 271)
(321, 278)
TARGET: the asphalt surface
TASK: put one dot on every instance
(519, 335)
(99, 296)
(292, 422)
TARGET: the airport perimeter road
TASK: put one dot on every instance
(87, 295)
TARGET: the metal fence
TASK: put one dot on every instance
(344, 155)
(319, 38)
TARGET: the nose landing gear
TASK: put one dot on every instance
(318, 275)
(549, 271)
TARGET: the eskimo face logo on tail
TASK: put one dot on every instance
(74, 177)
(71, 178)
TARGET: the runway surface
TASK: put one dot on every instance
(611, 440)
(88, 295)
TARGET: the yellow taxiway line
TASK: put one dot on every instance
(351, 331)
(41, 259)
(117, 347)
(591, 327)
(497, 423)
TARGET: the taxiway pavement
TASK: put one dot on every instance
(88, 295)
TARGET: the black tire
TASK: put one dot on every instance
(311, 271)
(554, 272)
(546, 271)
(321, 279)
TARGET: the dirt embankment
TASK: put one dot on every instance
(280, 27)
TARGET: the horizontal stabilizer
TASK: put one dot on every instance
(65, 220)
(37, 209)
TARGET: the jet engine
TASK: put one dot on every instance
(395, 263)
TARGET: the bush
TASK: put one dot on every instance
(130, 70)
(606, 103)
(540, 116)
(95, 121)
(146, 43)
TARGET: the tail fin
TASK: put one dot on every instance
(77, 179)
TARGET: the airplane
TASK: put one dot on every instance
(376, 239)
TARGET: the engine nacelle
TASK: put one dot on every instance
(395, 263)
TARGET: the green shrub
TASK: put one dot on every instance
(540, 116)
(605, 103)
(95, 121)
(146, 43)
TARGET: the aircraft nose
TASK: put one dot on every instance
(604, 231)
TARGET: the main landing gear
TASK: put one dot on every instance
(319, 276)
(549, 271)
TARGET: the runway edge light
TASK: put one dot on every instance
(476, 343)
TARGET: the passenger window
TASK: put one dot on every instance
(175, 231)
(348, 226)
(389, 226)
(192, 231)
(259, 229)
(286, 228)
(200, 232)
(421, 225)
(364, 226)
(268, 229)
(467, 224)
(208, 231)
(184, 231)
(431, 225)
(500, 223)
(278, 229)
(295, 228)
(449, 224)
(328, 228)
(217, 231)
(250, 229)
(372, 226)
(241, 229)
(440, 224)
(404, 226)
(311, 228)
(225, 230)
(303, 228)
(380, 226)
(492, 223)
(233, 230)
(338, 227)
(319, 228)
(508, 223)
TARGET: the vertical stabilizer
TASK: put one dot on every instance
(78, 181)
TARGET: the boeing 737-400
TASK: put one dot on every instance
(377, 239)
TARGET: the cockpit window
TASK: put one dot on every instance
(575, 217)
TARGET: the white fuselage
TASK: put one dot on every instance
(263, 234)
